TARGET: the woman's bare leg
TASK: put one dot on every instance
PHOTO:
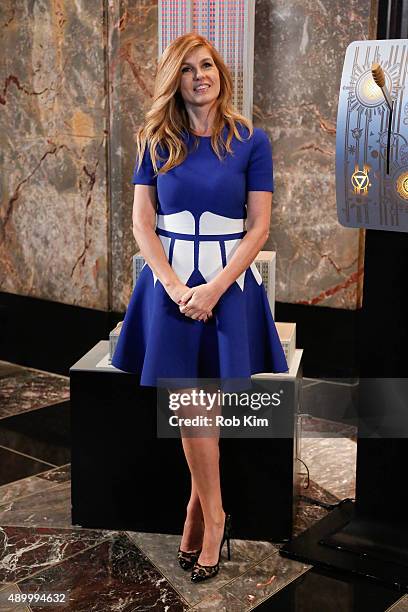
(202, 455)
(193, 532)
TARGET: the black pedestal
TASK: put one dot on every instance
(125, 477)
(372, 540)
(308, 548)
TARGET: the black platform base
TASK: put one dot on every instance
(348, 543)
(125, 477)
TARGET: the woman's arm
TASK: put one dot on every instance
(259, 206)
(151, 247)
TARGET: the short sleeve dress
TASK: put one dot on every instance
(200, 221)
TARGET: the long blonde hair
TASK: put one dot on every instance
(167, 118)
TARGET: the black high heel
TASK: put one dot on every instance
(187, 559)
(203, 572)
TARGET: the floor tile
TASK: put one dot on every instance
(43, 433)
(14, 466)
(162, 551)
(331, 463)
(49, 507)
(266, 578)
(314, 427)
(254, 549)
(111, 576)
(221, 601)
(401, 605)
(7, 605)
(61, 473)
(34, 484)
(308, 512)
(7, 368)
(24, 551)
(27, 389)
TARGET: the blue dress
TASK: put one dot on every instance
(201, 212)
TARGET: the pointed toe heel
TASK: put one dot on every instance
(187, 559)
(203, 572)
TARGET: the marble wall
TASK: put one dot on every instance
(299, 54)
(53, 139)
(133, 53)
(76, 79)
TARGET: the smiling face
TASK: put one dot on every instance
(200, 79)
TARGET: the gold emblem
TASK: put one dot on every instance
(360, 180)
(402, 185)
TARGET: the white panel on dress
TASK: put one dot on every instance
(230, 248)
(210, 223)
(209, 259)
(182, 222)
(165, 240)
(183, 259)
(255, 272)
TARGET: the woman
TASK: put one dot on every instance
(199, 309)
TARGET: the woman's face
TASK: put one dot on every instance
(198, 68)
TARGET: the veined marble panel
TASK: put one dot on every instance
(53, 211)
(133, 49)
(299, 51)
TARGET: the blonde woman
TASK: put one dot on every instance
(199, 308)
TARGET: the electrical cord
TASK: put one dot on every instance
(318, 502)
(307, 470)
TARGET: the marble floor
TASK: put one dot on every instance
(42, 553)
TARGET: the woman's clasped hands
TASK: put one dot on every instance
(198, 302)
